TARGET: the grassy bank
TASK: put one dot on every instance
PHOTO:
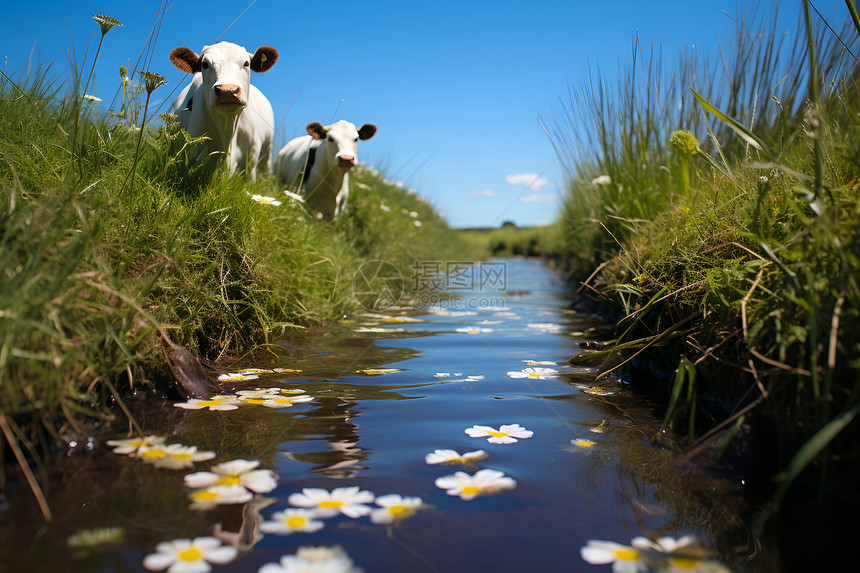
(716, 210)
(114, 243)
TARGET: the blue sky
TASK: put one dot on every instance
(457, 88)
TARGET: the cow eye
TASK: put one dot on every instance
(247, 64)
(356, 139)
(330, 138)
(205, 65)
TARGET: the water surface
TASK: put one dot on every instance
(374, 430)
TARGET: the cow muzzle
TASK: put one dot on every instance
(228, 96)
(346, 161)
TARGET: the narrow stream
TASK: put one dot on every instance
(586, 466)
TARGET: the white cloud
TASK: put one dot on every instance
(539, 197)
(484, 193)
(531, 180)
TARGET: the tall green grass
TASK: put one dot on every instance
(732, 251)
(112, 242)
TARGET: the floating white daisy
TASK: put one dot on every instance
(265, 200)
(451, 457)
(349, 501)
(189, 555)
(474, 330)
(219, 402)
(484, 482)
(475, 377)
(624, 559)
(582, 443)
(257, 393)
(132, 445)
(537, 373)
(237, 376)
(667, 544)
(313, 560)
(236, 472)
(292, 521)
(174, 456)
(545, 326)
(451, 313)
(506, 434)
(394, 507)
(286, 401)
(207, 498)
(377, 371)
(539, 362)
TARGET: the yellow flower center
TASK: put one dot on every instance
(254, 400)
(626, 554)
(331, 503)
(191, 555)
(228, 480)
(497, 434)
(207, 403)
(296, 521)
(184, 456)
(287, 401)
(205, 495)
(533, 375)
(153, 454)
(585, 443)
(397, 509)
(471, 490)
(685, 562)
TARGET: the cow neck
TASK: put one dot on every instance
(231, 125)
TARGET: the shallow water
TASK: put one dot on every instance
(373, 431)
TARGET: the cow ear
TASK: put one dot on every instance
(316, 130)
(185, 59)
(367, 131)
(264, 58)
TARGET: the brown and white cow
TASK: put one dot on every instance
(222, 104)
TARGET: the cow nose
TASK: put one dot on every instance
(346, 161)
(228, 90)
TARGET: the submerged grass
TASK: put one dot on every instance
(718, 209)
(114, 244)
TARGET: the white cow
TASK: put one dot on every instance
(222, 104)
(320, 163)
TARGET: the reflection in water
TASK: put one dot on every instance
(331, 423)
(375, 431)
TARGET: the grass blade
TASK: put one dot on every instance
(738, 127)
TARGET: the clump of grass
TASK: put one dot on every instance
(740, 249)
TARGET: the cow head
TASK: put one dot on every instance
(226, 70)
(341, 140)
